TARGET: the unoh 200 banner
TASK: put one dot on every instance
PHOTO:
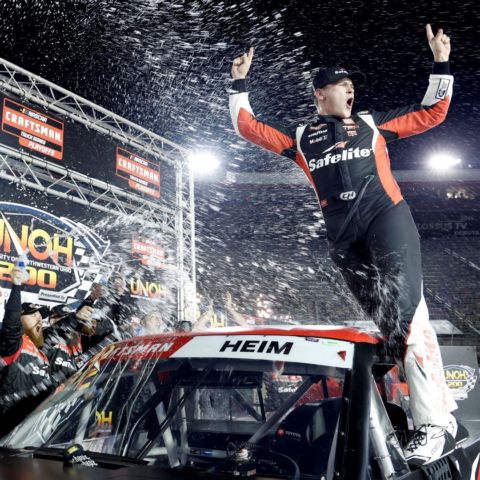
(64, 257)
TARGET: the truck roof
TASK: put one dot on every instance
(326, 345)
(347, 334)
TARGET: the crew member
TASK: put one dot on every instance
(25, 375)
(63, 345)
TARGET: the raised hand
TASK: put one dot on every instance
(241, 65)
(17, 275)
(97, 291)
(84, 314)
(439, 43)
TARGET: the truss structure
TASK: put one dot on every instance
(75, 187)
(33, 88)
(33, 172)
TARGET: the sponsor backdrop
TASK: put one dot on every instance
(69, 246)
(461, 374)
(72, 145)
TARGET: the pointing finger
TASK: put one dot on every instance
(429, 32)
(250, 53)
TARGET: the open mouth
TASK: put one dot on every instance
(38, 329)
(350, 102)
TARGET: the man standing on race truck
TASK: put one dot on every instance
(372, 237)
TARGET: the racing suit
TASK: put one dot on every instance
(372, 237)
(63, 346)
(25, 376)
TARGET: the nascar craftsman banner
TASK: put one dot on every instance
(148, 253)
(141, 174)
(35, 130)
(72, 145)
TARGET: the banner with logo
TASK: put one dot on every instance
(30, 129)
(35, 130)
(462, 377)
(70, 247)
(141, 174)
(63, 257)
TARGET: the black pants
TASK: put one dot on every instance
(381, 264)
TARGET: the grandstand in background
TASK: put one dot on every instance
(269, 239)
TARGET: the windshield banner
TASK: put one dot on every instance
(333, 353)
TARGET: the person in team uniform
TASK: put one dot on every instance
(372, 237)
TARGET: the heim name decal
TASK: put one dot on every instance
(257, 346)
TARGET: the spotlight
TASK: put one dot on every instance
(203, 162)
(443, 161)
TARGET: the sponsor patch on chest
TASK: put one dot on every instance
(318, 139)
(347, 154)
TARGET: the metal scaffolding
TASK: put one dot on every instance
(26, 169)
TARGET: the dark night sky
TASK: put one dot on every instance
(165, 64)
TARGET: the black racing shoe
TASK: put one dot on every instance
(428, 443)
(457, 430)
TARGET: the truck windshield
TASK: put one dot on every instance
(195, 411)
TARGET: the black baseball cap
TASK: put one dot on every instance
(329, 75)
(29, 308)
(60, 311)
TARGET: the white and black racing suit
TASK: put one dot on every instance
(372, 236)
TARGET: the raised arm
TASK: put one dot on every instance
(12, 329)
(276, 138)
(417, 118)
(204, 321)
(241, 65)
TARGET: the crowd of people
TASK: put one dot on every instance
(40, 347)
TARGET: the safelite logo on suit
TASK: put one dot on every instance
(347, 154)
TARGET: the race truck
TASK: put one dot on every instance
(272, 402)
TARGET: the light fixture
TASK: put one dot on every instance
(203, 162)
(443, 161)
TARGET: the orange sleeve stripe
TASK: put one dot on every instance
(416, 122)
(12, 358)
(262, 134)
(382, 162)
